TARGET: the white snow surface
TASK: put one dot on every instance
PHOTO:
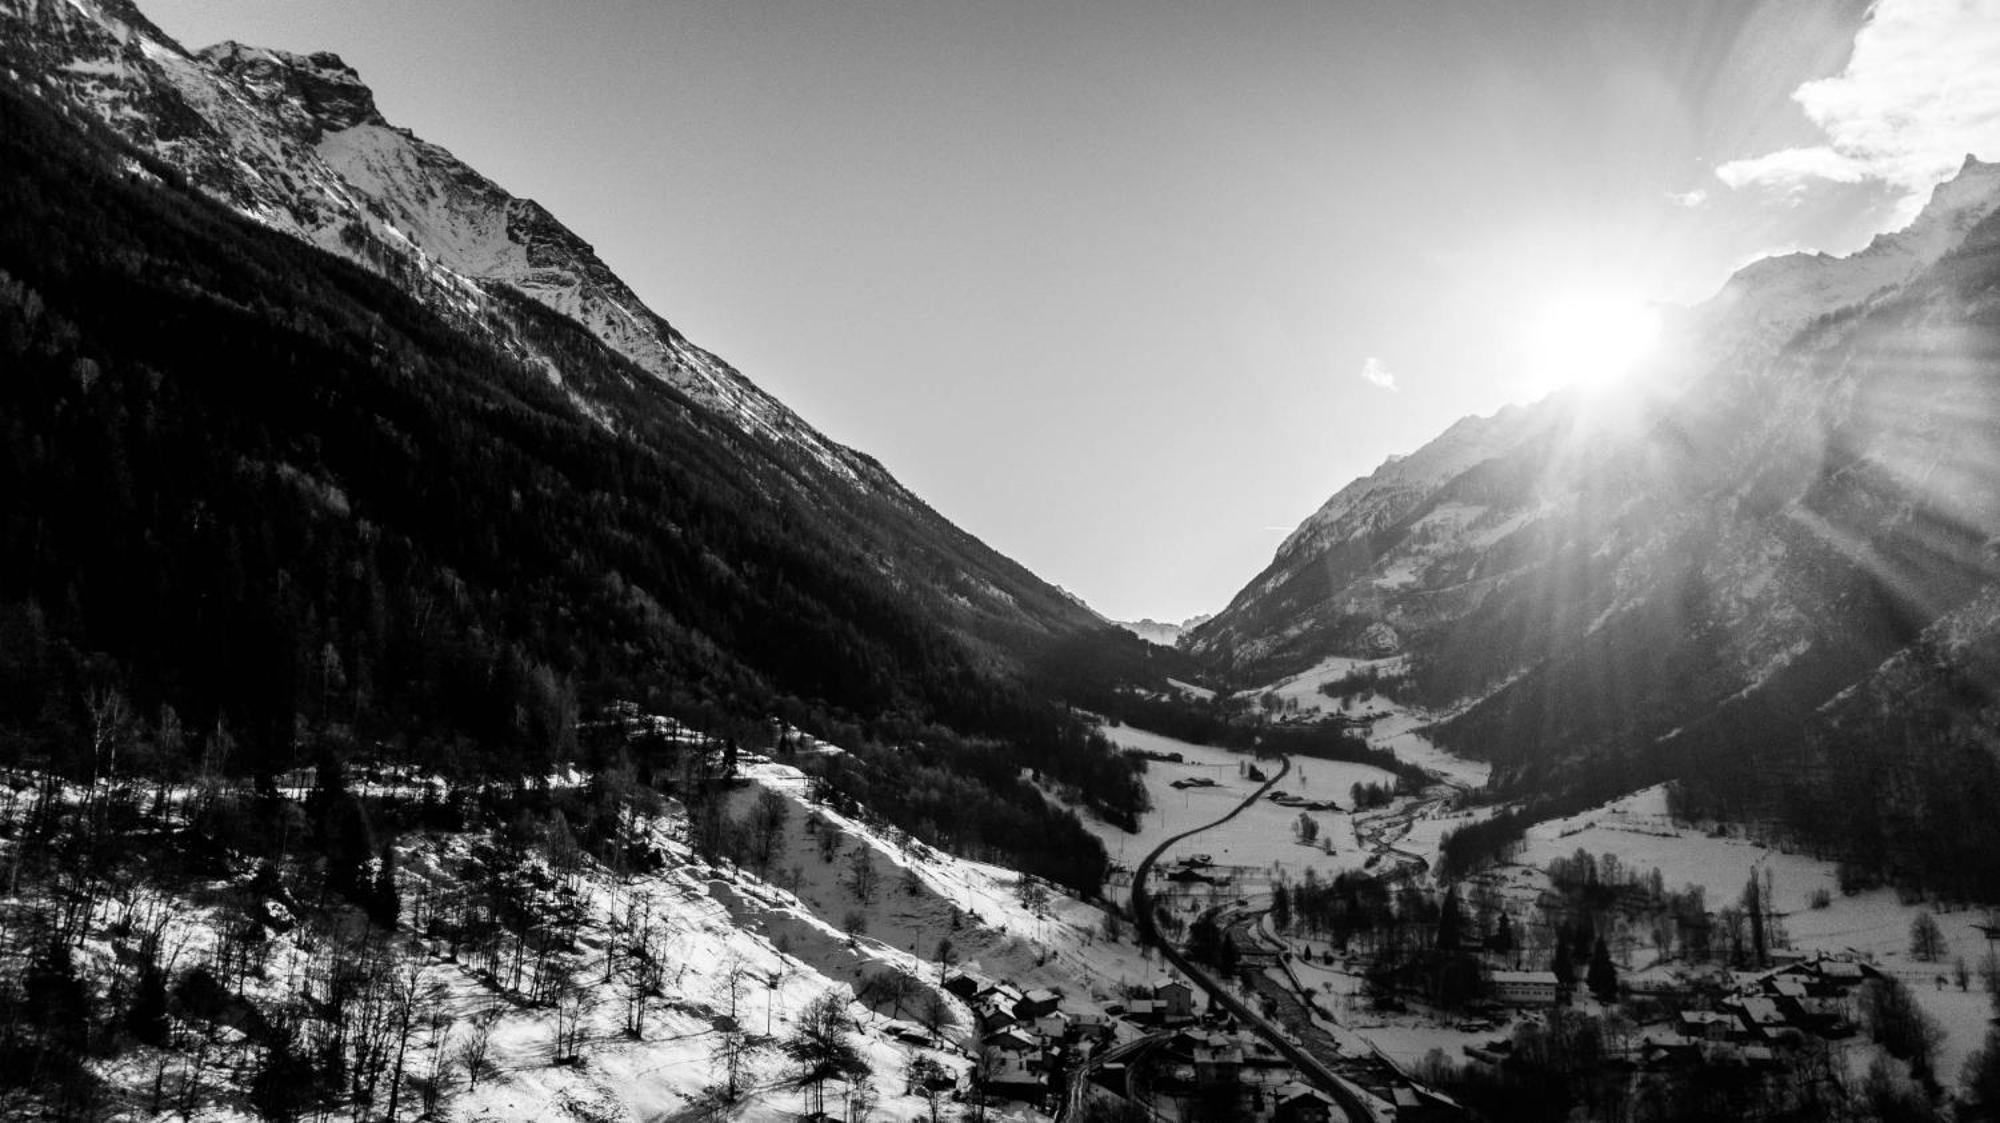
(788, 940)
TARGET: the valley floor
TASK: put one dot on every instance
(1242, 860)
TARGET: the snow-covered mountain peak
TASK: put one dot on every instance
(1469, 441)
(322, 87)
(1165, 634)
(297, 142)
(1766, 302)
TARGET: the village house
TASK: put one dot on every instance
(1012, 1077)
(991, 1018)
(1524, 988)
(1176, 998)
(1002, 995)
(1144, 1011)
(1763, 1017)
(1297, 1102)
(1015, 1041)
(1087, 1026)
(1036, 1003)
(1709, 1025)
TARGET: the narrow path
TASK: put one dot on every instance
(1311, 1066)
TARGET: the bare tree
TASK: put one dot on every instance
(475, 1045)
(924, 1077)
(947, 954)
(822, 1049)
(573, 1001)
(643, 979)
(861, 875)
(735, 977)
(767, 827)
(730, 1055)
(439, 1070)
(935, 1014)
(408, 992)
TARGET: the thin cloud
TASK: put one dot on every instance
(1920, 91)
(1792, 168)
(1690, 199)
(1378, 373)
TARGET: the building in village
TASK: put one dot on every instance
(1524, 988)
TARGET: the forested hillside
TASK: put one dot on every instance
(281, 511)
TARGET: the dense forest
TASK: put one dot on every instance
(1896, 780)
(281, 512)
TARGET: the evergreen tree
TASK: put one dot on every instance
(282, 1084)
(1753, 907)
(1981, 1074)
(146, 1018)
(1563, 966)
(385, 901)
(1927, 941)
(1451, 921)
(57, 997)
(1225, 956)
(1281, 908)
(1602, 976)
(349, 843)
(1501, 943)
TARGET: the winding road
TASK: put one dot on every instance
(1312, 1067)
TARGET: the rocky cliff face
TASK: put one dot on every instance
(1818, 480)
(296, 142)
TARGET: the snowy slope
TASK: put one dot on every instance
(1815, 473)
(734, 949)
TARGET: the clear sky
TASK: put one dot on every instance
(1128, 289)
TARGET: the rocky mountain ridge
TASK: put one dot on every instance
(1164, 634)
(1810, 487)
(297, 143)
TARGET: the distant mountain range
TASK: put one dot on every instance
(1700, 583)
(1166, 635)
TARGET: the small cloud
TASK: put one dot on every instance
(1690, 199)
(1792, 169)
(1378, 374)
(1919, 92)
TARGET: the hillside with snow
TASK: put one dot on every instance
(1672, 582)
(620, 969)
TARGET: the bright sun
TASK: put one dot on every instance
(1590, 341)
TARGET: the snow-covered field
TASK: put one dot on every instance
(1399, 731)
(1302, 690)
(1392, 725)
(1636, 828)
(1873, 924)
(1262, 836)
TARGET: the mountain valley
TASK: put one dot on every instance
(433, 687)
